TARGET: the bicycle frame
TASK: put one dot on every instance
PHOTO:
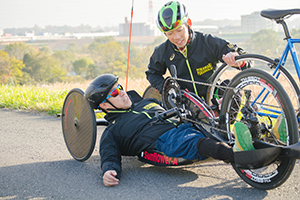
(290, 48)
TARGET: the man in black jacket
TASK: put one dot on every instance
(133, 128)
(193, 53)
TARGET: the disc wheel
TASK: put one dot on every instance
(79, 125)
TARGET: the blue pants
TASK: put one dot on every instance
(180, 142)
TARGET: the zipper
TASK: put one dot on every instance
(190, 70)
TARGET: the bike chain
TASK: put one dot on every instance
(207, 84)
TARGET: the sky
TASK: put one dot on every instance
(27, 13)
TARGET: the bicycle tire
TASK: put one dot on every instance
(78, 125)
(275, 174)
(260, 62)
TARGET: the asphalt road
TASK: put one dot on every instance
(35, 164)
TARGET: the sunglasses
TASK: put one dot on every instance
(115, 92)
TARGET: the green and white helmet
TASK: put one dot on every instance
(171, 16)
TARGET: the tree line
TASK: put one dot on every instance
(21, 63)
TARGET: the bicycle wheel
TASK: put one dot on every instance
(196, 108)
(276, 106)
(78, 125)
(258, 62)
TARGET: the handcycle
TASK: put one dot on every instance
(267, 167)
(275, 66)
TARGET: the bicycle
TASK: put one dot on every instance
(265, 168)
(220, 77)
(238, 105)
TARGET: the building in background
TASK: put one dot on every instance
(254, 22)
(143, 28)
(138, 29)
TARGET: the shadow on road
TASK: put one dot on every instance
(70, 179)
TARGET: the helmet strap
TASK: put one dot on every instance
(114, 106)
(108, 109)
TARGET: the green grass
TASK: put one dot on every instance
(42, 99)
(50, 98)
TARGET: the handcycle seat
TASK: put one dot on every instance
(278, 14)
(134, 96)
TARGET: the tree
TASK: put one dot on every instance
(266, 42)
(43, 68)
(46, 50)
(115, 67)
(65, 58)
(4, 67)
(16, 67)
(105, 55)
(73, 47)
(86, 68)
(18, 50)
(112, 51)
(96, 47)
(10, 69)
(139, 57)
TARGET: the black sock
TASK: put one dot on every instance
(217, 150)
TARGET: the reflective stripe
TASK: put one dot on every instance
(135, 112)
(189, 68)
(118, 111)
(192, 77)
(138, 113)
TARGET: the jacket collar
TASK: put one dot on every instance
(113, 114)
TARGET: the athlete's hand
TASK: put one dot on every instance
(229, 58)
(109, 178)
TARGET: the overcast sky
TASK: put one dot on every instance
(27, 13)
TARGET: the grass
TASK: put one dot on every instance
(50, 98)
(32, 98)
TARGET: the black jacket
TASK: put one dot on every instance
(130, 132)
(203, 53)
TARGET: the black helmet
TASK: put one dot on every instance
(99, 88)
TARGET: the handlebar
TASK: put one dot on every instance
(169, 113)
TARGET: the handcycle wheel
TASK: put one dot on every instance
(275, 105)
(198, 110)
(170, 86)
(79, 125)
(152, 92)
(257, 62)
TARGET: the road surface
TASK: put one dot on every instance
(35, 164)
